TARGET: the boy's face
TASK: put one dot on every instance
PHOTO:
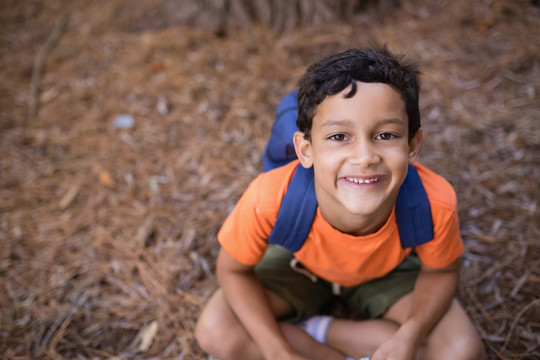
(360, 151)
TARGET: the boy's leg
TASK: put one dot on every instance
(220, 334)
(356, 339)
(291, 295)
(454, 336)
(390, 298)
(371, 301)
(361, 338)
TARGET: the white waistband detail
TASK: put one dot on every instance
(336, 289)
(294, 265)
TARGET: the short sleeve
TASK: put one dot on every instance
(447, 245)
(244, 234)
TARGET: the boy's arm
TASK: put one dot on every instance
(246, 296)
(432, 297)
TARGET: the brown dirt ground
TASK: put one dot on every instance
(108, 236)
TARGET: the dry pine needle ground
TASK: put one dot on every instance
(107, 236)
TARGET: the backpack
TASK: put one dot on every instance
(299, 205)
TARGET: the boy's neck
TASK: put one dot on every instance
(356, 225)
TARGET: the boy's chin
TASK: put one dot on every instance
(376, 213)
(377, 208)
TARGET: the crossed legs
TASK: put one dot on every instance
(220, 334)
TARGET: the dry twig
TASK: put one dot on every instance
(39, 64)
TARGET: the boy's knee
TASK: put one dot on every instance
(469, 347)
(203, 335)
(455, 337)
(217, 331)
(465, 346)
(215, 340)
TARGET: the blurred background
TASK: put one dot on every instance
(129, 129)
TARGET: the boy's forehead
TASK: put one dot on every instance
(374, 97)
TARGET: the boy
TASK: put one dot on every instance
(359, 124)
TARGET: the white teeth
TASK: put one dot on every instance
(361, 181)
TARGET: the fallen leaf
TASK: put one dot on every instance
(148, 335)
(106, 179)
(70, 195)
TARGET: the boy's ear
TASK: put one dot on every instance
(302, 146)
(414, 145)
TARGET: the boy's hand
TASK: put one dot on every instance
(432, 296)
(392, 351)
(401, 346)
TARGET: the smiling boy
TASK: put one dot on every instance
(359, 130)
(361, 151)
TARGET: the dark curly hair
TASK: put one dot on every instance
(333, 74)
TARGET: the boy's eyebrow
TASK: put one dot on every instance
(396, 121)
(336, 123)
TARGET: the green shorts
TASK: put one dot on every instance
(310, 295)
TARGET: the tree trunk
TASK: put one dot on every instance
(224, 16)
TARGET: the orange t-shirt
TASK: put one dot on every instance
(330, 254)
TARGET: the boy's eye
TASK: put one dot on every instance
(337, 137)
(385, 136)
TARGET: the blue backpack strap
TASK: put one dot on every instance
(297, 211)
(299, 206)
(280, 149)
(413, 211)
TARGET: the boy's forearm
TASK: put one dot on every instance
(245, 295)
(432, 297)
(251, 307)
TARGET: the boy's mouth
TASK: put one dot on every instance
(363, 180)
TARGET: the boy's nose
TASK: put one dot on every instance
(364, 154)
